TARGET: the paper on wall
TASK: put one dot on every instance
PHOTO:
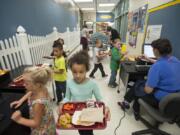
(153, 33)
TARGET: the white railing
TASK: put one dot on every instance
(11, 54)
(23, 49)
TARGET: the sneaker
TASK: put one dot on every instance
(116, 84)
(91, 76)
(111, 86)
(124, 106)
(105, 75)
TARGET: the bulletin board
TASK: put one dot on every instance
(169, 18)
(136, 21)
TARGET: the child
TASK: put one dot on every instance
(97, 60)
(60, 41)
(60, 74)
(115, 61)
(84, 38)
(41, 119)
(81, 88)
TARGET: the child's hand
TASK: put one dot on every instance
(106, 53)
(109, 53)
(60, 108)
(142, 56)
(49, 57)
(15, 104)
(107, 114)
(16, 116)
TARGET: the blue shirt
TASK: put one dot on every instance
(83, 91)
(164, 76)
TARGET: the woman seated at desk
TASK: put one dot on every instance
(162, 79)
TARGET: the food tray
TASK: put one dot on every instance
(77, 107)
(18, 82)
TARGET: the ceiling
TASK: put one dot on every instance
(82, 5)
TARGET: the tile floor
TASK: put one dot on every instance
(111, 97)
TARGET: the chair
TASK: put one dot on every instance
(169, 111)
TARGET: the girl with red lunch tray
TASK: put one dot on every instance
(81, 88)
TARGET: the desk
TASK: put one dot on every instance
(129, 73)
(7, 126)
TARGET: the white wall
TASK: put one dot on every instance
(133, 5)
(156, 3)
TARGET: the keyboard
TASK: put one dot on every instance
(143, 62)
(142, 67)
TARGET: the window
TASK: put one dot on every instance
(121, 18)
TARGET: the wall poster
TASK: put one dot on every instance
(153, 33)
(136, 21)
(133, 28)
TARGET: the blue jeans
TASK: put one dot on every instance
(112, 80)
(60, 89)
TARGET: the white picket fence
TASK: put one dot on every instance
(22, 49)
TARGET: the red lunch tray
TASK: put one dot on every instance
(19, 84)
(77, 107)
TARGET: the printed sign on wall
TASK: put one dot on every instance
(153, 33)
(136, 22)
(104, 17)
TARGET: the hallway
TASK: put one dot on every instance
(30, 27)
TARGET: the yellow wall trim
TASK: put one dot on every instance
(164, 6)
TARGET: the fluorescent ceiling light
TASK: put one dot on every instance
(106, 5)
(105, 11)
(83, 0)
(87, 8)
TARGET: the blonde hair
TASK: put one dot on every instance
(40, 75)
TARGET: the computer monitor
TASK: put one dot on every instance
(148, 51)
